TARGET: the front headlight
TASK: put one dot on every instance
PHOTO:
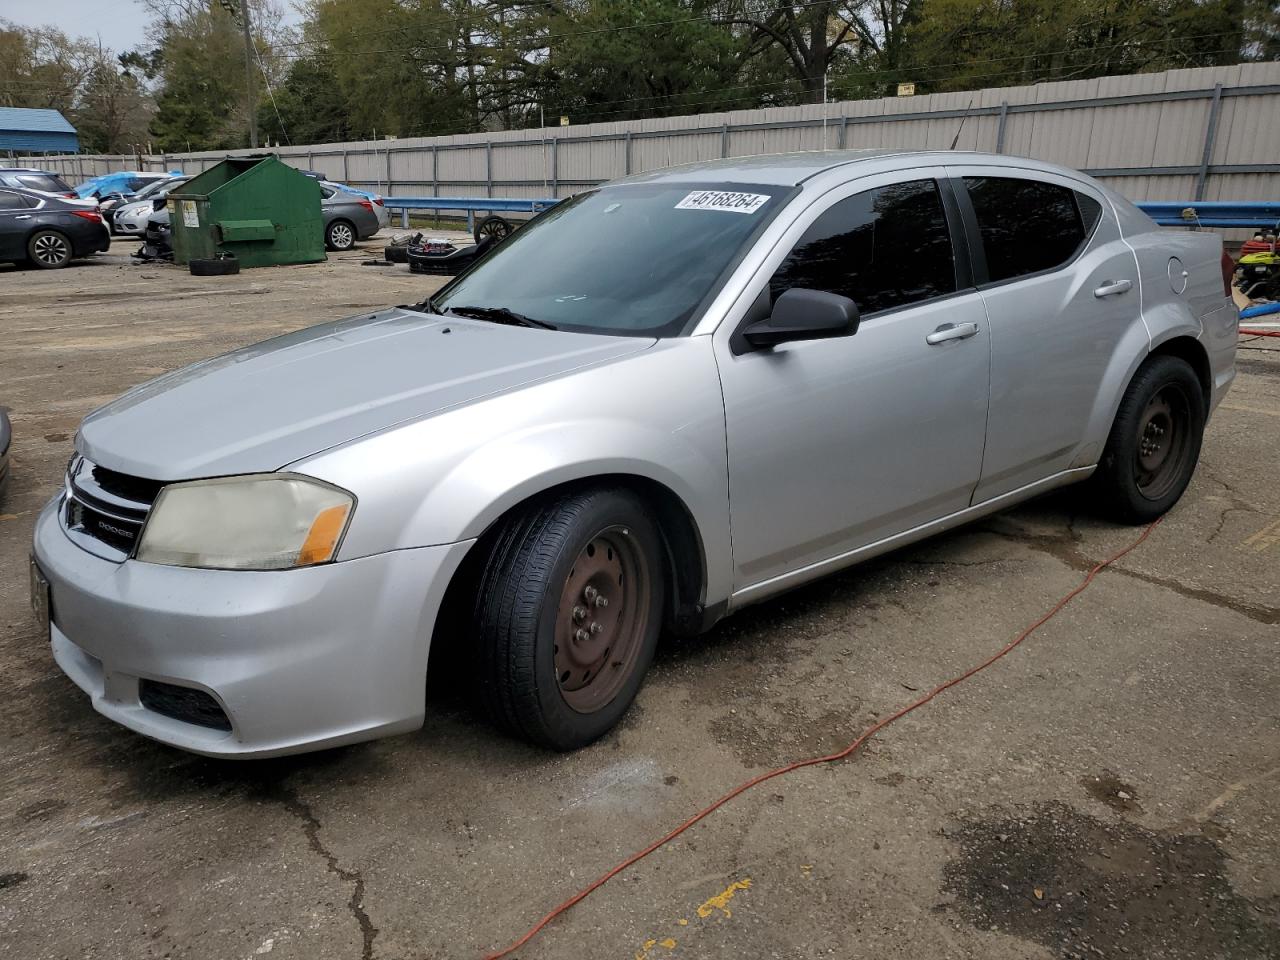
(270, 521)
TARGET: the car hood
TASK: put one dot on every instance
(267, 405)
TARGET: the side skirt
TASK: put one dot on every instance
(768, 588)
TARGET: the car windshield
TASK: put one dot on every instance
(43, 181)
(630, 260)
(156, 188)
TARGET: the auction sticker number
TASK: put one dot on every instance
(723, 200)
(190, 218)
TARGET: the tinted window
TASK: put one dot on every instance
(634, 259)
(12, 201)
(1027, 225)
(881, 249)
(43, 181)
(1090, 212)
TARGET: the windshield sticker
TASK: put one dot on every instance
(723, 200)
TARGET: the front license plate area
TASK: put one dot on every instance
(40, 597)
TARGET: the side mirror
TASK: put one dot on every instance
(801, 314)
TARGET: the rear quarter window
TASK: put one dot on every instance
(1029, 226)
(43, 181)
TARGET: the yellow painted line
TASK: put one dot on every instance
(1268, 536)
(721, 900)
(1248, 409)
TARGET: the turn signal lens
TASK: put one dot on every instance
(325, 533)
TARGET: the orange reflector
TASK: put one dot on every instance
(323, 538)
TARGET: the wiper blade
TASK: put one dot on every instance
(501, 315)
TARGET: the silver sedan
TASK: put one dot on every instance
(664, 399)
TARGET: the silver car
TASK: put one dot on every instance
(662, 400)
(348, 217)
(130, 218)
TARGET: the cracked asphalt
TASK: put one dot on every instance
(1109, 789)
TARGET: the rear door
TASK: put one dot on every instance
(16, 219)
(1061, 292)
(835, 444)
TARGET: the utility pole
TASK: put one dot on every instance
(248, 72)
(239, 10)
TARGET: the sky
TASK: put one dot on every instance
(122, 24)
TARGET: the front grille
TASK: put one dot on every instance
(105, 510)
(183, 703)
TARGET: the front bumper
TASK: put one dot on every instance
(297, 659)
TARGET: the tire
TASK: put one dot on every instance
(396, 253)
(498, 228)
(220, 267)
(49, 249)
(1154, 443)
(543, 628)
(340, 235)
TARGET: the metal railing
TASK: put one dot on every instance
(1229, 213)
(467, 205)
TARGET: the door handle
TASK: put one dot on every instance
(951, 331)
(1113, 287)
(25, 216)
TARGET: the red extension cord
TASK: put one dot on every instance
(813, 761)
(1259, 333)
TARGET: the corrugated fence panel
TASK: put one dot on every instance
(1154, 125)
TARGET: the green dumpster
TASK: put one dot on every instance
(261, 210)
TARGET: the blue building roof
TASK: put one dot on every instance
(39, 130)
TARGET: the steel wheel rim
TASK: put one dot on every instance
(340, 236)
(601, 621)
(498, 231)
(1163, 442)
(50, 249)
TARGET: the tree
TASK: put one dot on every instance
(201, 101)
(966, 44)
(613, 61)
(44, 68)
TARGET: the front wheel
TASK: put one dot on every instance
(568, 613)
(1154, 442)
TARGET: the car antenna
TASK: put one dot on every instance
(963, 117)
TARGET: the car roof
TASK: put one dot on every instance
(793, 169)
(26, 170)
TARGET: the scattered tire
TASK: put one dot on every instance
(49, 249)
(396, 253)
(568, 612)
(340, 235)
(496, 228)
(1154, 443)
(219, 267)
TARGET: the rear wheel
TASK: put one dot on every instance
(49, 249)
(568, 611)
(1154, 442)
(340, 235)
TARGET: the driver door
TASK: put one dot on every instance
(836, 444)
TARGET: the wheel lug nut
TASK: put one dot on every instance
(590, 593)
(602, 600)
(581, 635)
(596, 628)
(579, 613)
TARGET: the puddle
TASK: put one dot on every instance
(1084, 888)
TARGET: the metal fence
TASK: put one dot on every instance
(1210, 133)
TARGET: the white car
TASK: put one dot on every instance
(130, 218)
